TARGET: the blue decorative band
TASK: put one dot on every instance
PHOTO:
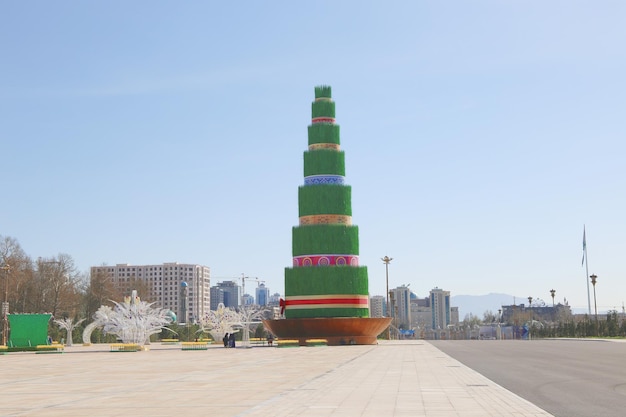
(324, 179)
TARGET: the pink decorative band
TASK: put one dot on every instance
(323, 120)
(327, 301)
(326, 219)
(325, 260)
(315, 146)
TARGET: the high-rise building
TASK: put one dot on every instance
(217, 297)
(440, 307)
(164, 285)
(232, 293)
(454, 315)
(262, 295)
(377, 306)
(400, 303)
(247, 299)
(274, 299)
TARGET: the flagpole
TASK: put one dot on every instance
(586, 268)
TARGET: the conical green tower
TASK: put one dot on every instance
(326, 279)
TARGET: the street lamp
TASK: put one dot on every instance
(5, 306)
(386, 260)
(530, 302)
(594, 278)
(552, 292)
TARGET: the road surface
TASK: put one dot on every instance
(567, 378)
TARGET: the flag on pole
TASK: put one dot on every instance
(584, 245)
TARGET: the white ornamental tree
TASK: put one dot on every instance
(69, 325)
(219, 322)
(133, 321)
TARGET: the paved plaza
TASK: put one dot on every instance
(404, 378)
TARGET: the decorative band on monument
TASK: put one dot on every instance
(326, 219)
(315, 146)
(325, 260)
(323, 306)
(327, 301)
(324, 179)
(323, 120)
(323, 99)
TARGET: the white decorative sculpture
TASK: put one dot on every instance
(224, 320)
(69, 325)
(133, 321)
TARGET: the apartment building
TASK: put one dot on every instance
(441, 309)
(377, 306)
(165, 283)
(400, 306)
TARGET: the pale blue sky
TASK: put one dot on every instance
(479, 136)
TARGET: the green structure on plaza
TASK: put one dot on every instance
(326, 279)
(28, 330)
(326, 289)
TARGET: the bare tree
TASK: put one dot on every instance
(20, 273)
(471, 320)
(47, 285)
(58, 283)
(10, 249)
(489, 317)
(100, 291)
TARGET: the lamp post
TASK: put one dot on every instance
(530, 302)
(552, 292)
(5, 306)
(386, 260)
(594, 278)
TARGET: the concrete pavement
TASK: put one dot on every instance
(403, 378)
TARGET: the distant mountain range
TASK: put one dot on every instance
(478, 304)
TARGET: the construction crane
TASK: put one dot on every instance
(243, 279)
(243, 283)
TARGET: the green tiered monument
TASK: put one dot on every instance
(326, 290)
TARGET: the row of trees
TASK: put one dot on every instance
(611, 324)
(50, 285)
(54, 285)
